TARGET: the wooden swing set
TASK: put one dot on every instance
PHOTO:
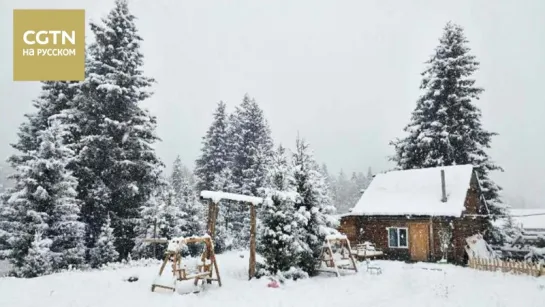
(205, 270)
(208, 264)
(338, 260)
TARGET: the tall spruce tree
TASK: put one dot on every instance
(278, 237)
(445, 128)
(67, 232)
(214, 157)
(315, 205)
(43, 202)
(252, 147)
(116, 160)
(54, 98)
(212, 171)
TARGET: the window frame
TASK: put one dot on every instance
(398, 237)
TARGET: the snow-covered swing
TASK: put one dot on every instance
(204, 271)
(336, 255)
(214, 197)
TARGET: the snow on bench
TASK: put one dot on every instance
(366, 249)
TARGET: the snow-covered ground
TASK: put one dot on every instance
(400, 284)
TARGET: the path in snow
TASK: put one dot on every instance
(400, 283)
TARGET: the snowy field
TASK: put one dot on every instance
(400, 284)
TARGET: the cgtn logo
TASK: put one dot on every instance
(52, 43)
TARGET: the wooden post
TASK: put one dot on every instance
(251, 270)
(209, 217)
(155, 237)
(432, 241)
(212, 216)
(211, 227)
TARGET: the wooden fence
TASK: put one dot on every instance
(514, 267)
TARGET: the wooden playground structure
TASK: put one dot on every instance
(205, 270)
(207, 266)
(336, 253)
(213, 198)
(337, 256)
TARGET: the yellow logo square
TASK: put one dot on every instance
(48, 45)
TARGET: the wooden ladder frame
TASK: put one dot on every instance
(326, 256)
(205, 272)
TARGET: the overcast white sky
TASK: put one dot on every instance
(345, 74)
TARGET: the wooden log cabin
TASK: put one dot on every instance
(405, 213)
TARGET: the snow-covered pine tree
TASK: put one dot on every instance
(252, 148)
(54, 98)
(104, 251)
(38, 260)
(177, 176)
(332, 184)
(315, 205)
(369, 177)
(510, 230)
(43, 201)
(357, 185)
(212, 171)
(278, 234)
(116, 159)
(171, 214)
(161, 217)
(66, 230)
(190, 176)
(6, 226)
(150, 223)
(343, 192)
(185, 198)
(214, 157)
(445, 128)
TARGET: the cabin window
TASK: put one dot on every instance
(397, 237)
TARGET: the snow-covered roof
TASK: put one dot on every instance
(529, 218)
(216, 196)
(416, 192)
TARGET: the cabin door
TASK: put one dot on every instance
(419, 238)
